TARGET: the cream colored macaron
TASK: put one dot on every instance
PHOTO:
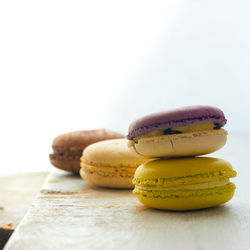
(110, 164)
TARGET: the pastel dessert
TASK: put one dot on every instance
(110, 164)
(184, 183)
(187, 131)
(68, 147)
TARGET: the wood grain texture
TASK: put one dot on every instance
(16, 195)
(70, 214)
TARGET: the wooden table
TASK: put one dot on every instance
(16, 195)
(70, 214)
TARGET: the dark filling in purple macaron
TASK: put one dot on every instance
(217, 126)
(170, 131)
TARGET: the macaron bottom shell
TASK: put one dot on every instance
(186, 200)
(67, 163)
(180, 145)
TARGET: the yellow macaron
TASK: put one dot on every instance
(110, 164)
(184, 184)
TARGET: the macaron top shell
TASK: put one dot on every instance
(184, 167)
(112, 153)
(176, 117)
(76, 141)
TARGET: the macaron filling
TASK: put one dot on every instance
(185, 180)
(108, 171)
(198, 186)
(68, 152)
(184, 184)
(180, 193)
(180, 130)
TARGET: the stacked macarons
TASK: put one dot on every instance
(178, 179)
(161, 158)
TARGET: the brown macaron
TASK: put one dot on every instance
(68, 147)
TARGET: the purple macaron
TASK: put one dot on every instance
(176, 117)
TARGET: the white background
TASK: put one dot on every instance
(73, 65)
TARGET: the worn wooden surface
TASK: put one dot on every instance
(16, 195)
(70, 214)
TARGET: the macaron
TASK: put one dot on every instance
(186, 131)
(68, 147)
(110, 164)
(184, 183)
